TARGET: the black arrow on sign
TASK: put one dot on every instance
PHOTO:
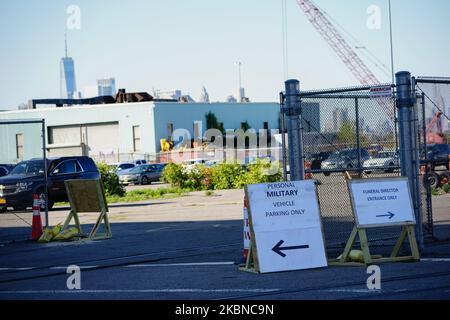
(279, 249)
(390, 215)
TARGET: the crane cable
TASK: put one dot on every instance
(359, 45)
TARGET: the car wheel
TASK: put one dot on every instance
(3, 209)
(433, 180)
(389, 170)
(144, 180)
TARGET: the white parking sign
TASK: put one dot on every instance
(285, 221)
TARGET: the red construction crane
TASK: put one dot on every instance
(434, 130)
(337, 43)
(349, 57)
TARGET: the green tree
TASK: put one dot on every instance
(213, 123)
(347, 134)
(245, 126)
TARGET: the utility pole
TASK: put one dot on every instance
(391, 41)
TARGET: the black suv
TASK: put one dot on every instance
(438, 155)
(5, 169)
(27, 178)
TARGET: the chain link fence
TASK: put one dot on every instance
(355, 132)
(433, 105)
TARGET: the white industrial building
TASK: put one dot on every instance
(133, 129)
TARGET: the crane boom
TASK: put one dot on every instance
(348, 56)
(337, 43)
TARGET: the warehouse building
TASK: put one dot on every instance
(117, 131)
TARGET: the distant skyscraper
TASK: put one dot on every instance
(68, 86)
(204, 97)
(106, 87)
(231, 99)
(340, 116)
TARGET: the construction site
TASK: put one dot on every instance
(297, 198)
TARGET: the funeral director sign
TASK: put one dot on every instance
(285, 222)
(381, 202)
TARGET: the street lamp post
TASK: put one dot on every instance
(239, 64)
(391, 41)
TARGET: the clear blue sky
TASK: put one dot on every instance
(183, 44)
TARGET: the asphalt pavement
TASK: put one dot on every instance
(189, 248)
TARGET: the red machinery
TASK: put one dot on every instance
(434, 130)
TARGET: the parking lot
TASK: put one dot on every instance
(189, 248)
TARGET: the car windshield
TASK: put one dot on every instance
(340, 155)
(385, 155)
(138, 169)
(29, 168)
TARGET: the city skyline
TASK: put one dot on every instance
(189, 45)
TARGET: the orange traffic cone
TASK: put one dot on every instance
(36, 228)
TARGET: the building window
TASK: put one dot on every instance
(19, 146)
(136, 138)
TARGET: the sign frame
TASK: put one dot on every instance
(253, 261)
(384, 224)
(360, 231)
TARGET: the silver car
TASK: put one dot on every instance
(143, 174)
(385, 161)
(344, 159)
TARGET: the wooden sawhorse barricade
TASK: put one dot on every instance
(88, 196)
(359, 230)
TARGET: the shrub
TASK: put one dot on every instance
(195, 177)
(110, 181)
(174, 175)
(225, 175)
(260, 172)
(446, 188)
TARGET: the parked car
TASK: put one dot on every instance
(140, 162)
(344, 159)
(122, 166)
(438, 155)
(143, 174)
(317, 159)
(5, 169)
(195, 161)
(27, 178)
(384, 160)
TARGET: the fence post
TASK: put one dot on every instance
(292, 109)
(405, 102)
(358, 137)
